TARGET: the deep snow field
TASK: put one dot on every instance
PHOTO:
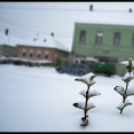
(40, 99)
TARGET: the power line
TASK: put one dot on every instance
(56, 9)
(16, 32)
(35, 31)
(24, 32)
(19, 26)
(35, 26)
(12, 32)
(61, 9)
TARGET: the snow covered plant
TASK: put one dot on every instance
(88, 79)
(129, 65)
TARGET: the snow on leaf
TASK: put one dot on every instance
(120, 90)
(85, 123)
(90, 106)
(87, 79)
(128, 64)
(128, 76)
(90, 94)
(130, 91)
(123, 105)
(82, 81)
(93, 93)
(83, 92)
(92, 83)
(81, 105)
(132, 64)
(83, 118)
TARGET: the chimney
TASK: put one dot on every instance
(6, 31)
(52, 34)
(34, 39)
(45, 40)
(130, 10)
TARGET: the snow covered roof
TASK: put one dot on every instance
(50, 42)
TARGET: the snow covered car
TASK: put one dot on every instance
(75, 68)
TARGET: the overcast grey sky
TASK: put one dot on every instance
(25, 22)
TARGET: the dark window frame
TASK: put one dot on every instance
(31, 53)
(97, 38)
(23, 54)
(82, 36)
(117, 37)
(38, 55)
(46, 56)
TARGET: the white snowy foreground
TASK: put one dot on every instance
(40, 99)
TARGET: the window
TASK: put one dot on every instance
(99, 36)
(31, 53)
(38, 54)
(116, 38)
(82, 36)
(133, 40)
(23, 53)
(46, 54)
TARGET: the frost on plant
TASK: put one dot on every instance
(88, 79)
(127, 78)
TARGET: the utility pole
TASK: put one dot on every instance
(37, 36)
(52, 34)
(8, 40)
(91, 8)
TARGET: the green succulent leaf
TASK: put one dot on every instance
(82, 81)
(92, 77)
(127, 80)
(121, 64)
(130, 62)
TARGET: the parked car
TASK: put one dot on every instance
(75, 68)
(104, 68)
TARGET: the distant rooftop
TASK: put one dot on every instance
(104, 23)
(42, 41)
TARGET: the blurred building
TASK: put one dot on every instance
(7, 50)
(106, 42)
(42, 49)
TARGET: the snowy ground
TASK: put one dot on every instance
(40, 99)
